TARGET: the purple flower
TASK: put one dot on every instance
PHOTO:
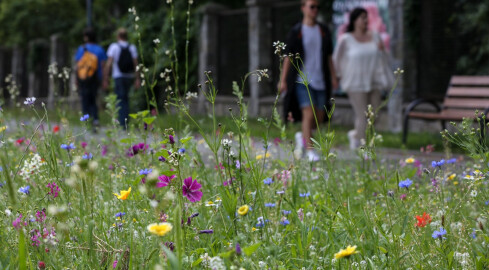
(84, 118)
(30, 101)
(284, 221)
(53, 189)
(206, 231)
(406, 183)
(194, 215)
(120, 214)
(267, 181)
(403, 197)
(25, 190)
(145, 171)
(41, 216)
(238, 165)
(137, 148)
(473, 234)
(285, 212)
(238, 249)
(439, 234)
(161, 158)
(191, 189)
(68, 147)
(164, 180)
(171, 139)
(114, 264)
(170, 245)
(17, 222)
(87, 156)
(304, 194)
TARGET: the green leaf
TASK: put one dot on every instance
(165, 141)
(144, 113)
(383, 250)
(149, 120)
(174, 263)
(197, 262)
(251, 249)
(169, 173)
(133, 115)
(186, 139)
(127, 140)
(162, 152)
(226, 255)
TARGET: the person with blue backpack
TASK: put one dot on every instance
(90, 59)
(122, 62)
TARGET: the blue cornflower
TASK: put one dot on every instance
(181, 151)
(87, 156)
(280, 192)
(406, 183)
(25, 190)
(267, 181)
(84, 118)
(473, 235)
(452, 160)
(435, 164)
(269, 205)
(68, 147)
(120, 214)
(1, 169)
(439, 234)
(145, 171)
(304, 194)
(261, 222)
(487, 202)
(286, 212)
(285, 222)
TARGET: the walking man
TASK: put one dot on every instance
(90, 59)
(122, 61)
(312, 41)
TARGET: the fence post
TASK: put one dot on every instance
(260, 46)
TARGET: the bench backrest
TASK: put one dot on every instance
(467, 93)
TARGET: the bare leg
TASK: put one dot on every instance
(307, 124)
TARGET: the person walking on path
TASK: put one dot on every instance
(312, 41)
(90, 59)
(122, 62)
(356, 59)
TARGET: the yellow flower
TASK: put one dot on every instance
(410, 160)
(160, 229)
(455, 183)
(451, 176)
(254, 229)
(346, 252)
(134, 220)
(2, 129)
(261, 156)
(124, 194)
(243, 210)
(360, 190)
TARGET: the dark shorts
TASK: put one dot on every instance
(318, 97)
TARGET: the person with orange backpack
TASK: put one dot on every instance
(90, 59)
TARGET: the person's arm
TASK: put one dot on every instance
(107, 68)
(334, 79)
(282, 85)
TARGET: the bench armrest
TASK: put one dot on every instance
(420, 101)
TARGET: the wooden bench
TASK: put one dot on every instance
(465, 94)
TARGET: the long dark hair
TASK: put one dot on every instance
(354, 14)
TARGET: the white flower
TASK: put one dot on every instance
(473, 193)
(137, 18)
(156, 41)
(8, 212)
(30, 101)
(168, 1)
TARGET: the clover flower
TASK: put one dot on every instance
(53, 189)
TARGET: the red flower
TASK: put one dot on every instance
(56, 129)
(42, 265)
(423, 220)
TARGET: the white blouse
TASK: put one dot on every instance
(355, 63)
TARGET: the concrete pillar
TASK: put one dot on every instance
(208, 48)
(260, 47)
(396, 33)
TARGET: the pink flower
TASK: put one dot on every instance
(191, 190)
(17, 222)
(164, 180)
(114, 264)
(84, 144)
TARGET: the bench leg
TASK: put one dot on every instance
(405, 129)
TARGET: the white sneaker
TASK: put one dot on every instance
(299, 145)
(354, 143)
(312, 156)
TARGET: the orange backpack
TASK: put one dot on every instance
(86, 68)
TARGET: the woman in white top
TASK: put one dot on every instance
(356, 59)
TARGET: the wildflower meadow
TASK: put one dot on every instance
(162, 197)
